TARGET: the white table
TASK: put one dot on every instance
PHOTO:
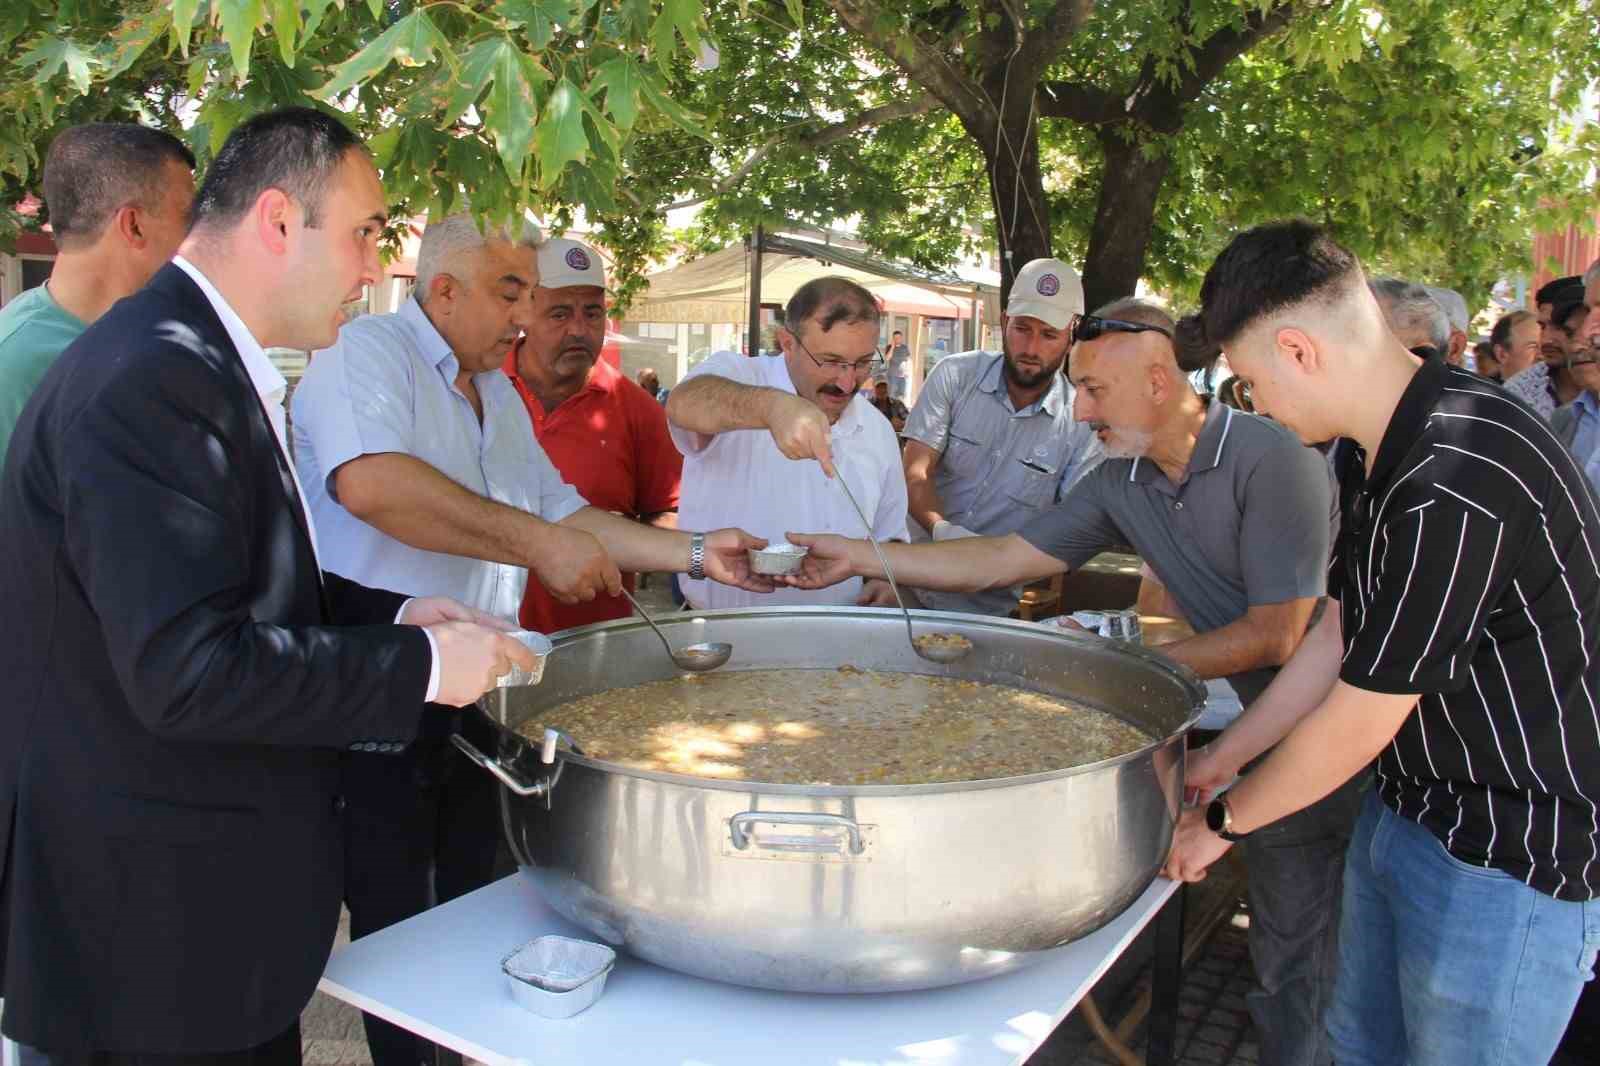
(438, 975)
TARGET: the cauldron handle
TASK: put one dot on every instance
(508, 777)
(738, 825)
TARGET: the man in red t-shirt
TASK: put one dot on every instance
(606, 435)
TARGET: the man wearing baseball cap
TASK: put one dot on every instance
(605, 434)
(991, 440)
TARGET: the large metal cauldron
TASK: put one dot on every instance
(841, 889)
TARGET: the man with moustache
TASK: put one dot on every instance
(1578, 423)
(745, 427)
(992, 441)
(422, 472)
(1233, 516)
(606, 435)
(183, 673)
(1547, 384)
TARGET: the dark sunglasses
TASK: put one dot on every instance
(1091, 327)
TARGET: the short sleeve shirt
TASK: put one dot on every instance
(388, 385)
(739, 478)
(34, 329)
(1250, 525)
(609, 441)
(1468, 572)
(998, 466)
(1534, 388)
(1586, 436)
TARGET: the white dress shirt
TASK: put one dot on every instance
(271, 387)
(740, 478)
(389, 385)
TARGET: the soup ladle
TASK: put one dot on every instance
(934, 647)
(693, 657)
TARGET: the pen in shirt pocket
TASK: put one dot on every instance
(1031, 465)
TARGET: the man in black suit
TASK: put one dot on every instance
(182, 676)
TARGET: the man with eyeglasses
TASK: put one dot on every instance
(1234, 517)
(763, 439)
(991, 440)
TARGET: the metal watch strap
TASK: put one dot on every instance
(697, 556)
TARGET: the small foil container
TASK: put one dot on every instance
(780, 558)
(558, 976)
(1114, 625)
(540, 646)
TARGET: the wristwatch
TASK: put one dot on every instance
(1219, 819)
(697, 556)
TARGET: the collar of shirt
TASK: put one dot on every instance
(269, 383)
(603, 378)
(1207, 454)
(991, 380)
(1410, 418)
(1587, 405)
(263, 375)
(431, 345)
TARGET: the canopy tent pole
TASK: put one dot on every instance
(755, 291)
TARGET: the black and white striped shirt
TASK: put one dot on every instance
(1468, 571)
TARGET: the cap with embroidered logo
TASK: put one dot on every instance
(564, 263)
(1046, 289)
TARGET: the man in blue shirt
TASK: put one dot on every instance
(1578, 423)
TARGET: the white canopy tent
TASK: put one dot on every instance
(715, 289)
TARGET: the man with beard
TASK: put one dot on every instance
(746, 425)
(992, 440)
(1548, 384)
(1233, 515)
(422, 473)
(606, 435)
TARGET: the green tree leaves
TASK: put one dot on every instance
(519, 103)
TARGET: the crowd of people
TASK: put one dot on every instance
(248, 642)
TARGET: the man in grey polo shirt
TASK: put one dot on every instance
(992, 441)
(1234, 516)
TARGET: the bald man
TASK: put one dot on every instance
(1233, 515)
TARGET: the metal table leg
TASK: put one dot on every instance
(1165, 978)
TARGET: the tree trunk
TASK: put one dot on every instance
(1123, 219)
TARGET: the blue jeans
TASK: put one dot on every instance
(1296, 868)
(1446, 964)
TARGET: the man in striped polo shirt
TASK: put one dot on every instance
(1463, 657)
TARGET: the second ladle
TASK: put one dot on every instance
(694, 657)
(934, 647)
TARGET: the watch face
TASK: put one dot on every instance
(1216, 816)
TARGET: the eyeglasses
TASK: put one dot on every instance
(1091, 327)
(865, 367)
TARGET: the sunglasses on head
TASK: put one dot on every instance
(1090, 327)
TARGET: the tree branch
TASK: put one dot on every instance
(1159, 104)
(1086, 104)
(1040, 46)
(926, 65)
(920, 104)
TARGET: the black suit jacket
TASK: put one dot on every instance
(179, 682)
